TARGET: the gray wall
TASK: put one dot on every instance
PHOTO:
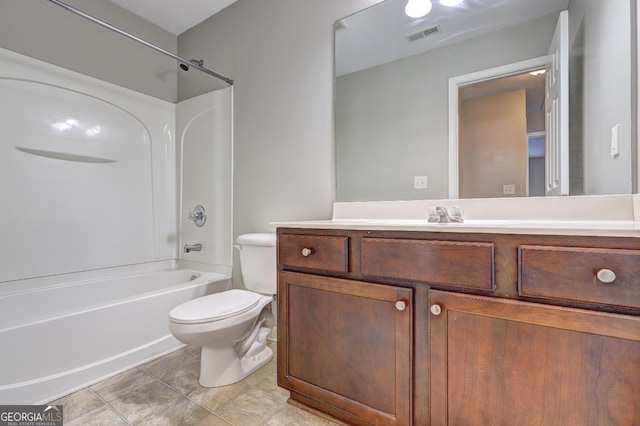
(280, 55)
(600, 95)
(392, 120)
(44, 31)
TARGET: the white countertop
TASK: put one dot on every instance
(587, 216)
(542, 227)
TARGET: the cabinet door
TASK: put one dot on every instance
(502, 362)
(346, 347)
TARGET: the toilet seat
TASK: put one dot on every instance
(215, 307)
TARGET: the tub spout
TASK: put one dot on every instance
(192, 247)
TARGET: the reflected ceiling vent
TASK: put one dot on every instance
(340, 25)
(423, 34)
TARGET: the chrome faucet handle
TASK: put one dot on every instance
(455, 214)
(432, 215)
(438, 214)
(198, 216)
(443, 215)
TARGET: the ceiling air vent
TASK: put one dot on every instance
(340, 25)
(422, 34)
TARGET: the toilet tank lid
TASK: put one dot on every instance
(258, 239)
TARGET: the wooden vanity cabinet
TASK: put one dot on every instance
(505, 362)
(494, 329)
(348, 347)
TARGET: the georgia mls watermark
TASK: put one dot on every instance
(31, 415)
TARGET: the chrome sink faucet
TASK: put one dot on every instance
(440, 214)
(188, 248)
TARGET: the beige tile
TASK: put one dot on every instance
(214, 398)
(143, 400)
(193, 352)
(179, 369)
(265, 379)
(168, 364)
(292, 416)
(186, 378)
(250, 408)
(99, 417)
(213, 420)
(78, 403)
(122, 383)
(182, 412)
(141, 397)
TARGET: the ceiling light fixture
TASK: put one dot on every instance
(450, 2)
(417, 8)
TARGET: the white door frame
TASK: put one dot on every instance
(557, 111)
(455, 83)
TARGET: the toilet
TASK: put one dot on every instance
(232, 326)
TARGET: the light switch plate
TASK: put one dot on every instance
(615, 140)
(419, 182)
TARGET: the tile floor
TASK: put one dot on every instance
(166, 392)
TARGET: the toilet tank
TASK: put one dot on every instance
(258, 262)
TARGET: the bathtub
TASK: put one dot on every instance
(61, 333)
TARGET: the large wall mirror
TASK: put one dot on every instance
(487, 98)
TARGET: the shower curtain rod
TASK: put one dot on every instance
(141, 41)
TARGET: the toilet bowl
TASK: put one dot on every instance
(232, 326)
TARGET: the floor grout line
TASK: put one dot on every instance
(223, 404)
(186, 396)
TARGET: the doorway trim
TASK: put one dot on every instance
(455, 83)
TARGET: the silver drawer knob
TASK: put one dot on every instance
(606, 276)
(306, 252)
(435, 309)
(401, 305)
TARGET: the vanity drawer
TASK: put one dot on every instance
(314, 252)
(570, 273)
(451, 263)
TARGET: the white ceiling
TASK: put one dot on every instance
(175, 16)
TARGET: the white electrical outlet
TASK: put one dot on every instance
(419, 182)
(508, 189)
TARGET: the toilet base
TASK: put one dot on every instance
(221, 366)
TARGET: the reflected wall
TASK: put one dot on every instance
(391, 119)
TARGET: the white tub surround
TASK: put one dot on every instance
(607, 215)
(88, 170)
(204, 151)
(89, 223)
(96, 172)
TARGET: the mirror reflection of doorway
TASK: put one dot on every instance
(483, 127)
(496, 118)
(536, 157)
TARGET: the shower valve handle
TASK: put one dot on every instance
(198, 216)
(194, 216)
